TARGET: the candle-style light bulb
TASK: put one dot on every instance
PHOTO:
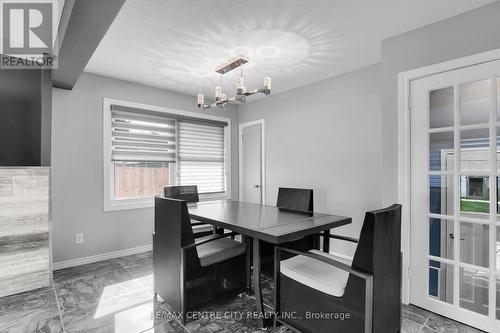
(267, 82)
(267, 86)
(218, 93)
(240, 86)
(201, 100)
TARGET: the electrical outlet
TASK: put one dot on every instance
(79, 238)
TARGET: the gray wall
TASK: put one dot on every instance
(77, 167)
(326, 136)
(467, 34)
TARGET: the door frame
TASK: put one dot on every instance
(260, 122)
(404, 146)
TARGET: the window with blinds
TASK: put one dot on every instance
(140, 137)
(152, 149)
(143, 150)
(201, 157)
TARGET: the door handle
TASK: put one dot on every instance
(452, 236)
(256, 186)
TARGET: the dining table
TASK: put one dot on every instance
(270, 224)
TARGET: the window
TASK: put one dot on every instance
(477, 187)
(143, 148)
(140, 179)
(201, 157)
(475, 194)
(147, 148)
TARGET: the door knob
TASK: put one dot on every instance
(452, 236)
(256, 186)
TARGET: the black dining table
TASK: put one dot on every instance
(265, 223)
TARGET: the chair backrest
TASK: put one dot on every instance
(172, 232)
(379, 253)
(173, 226)
(189, 193)
(299, 199)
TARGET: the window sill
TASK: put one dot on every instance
(129, 204)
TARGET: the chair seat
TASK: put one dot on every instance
(218, 250)
(316, 274)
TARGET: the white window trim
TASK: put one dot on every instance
(112, 204)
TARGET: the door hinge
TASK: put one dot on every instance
(409, 272)
(409, 102)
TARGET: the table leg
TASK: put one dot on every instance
(326, 241)
(248, 243)
(317, 242)
(256, 280)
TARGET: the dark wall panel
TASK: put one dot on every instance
(21, 117)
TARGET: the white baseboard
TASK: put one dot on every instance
(127, 252)
(100, 257)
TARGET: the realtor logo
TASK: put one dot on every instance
(28, 30)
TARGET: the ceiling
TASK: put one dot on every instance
(176, 44)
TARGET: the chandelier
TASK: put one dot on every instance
(221, 98)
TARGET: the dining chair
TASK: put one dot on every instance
(189, 193)
(294, 199)
(299, 199)
(302, 200)
(190, 272)
(367, 289)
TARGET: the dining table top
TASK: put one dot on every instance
(268, 223)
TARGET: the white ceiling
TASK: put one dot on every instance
(176, 44)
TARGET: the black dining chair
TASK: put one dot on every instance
(190, 272)
(366, 289)
(189, 193)
(294, 199)
(298, 199)
(301, 200)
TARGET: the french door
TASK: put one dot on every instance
(455, 221)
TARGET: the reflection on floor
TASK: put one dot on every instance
(117, 296)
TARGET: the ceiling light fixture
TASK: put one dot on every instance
(221, 98)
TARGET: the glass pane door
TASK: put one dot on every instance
(455, 225)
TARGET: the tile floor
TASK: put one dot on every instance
(117, 296)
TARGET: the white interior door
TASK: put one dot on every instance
(455, 226)
(251, 162)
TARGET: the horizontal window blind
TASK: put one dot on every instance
(141, 137)
(201, 156)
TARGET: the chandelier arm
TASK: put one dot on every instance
(265, 90)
